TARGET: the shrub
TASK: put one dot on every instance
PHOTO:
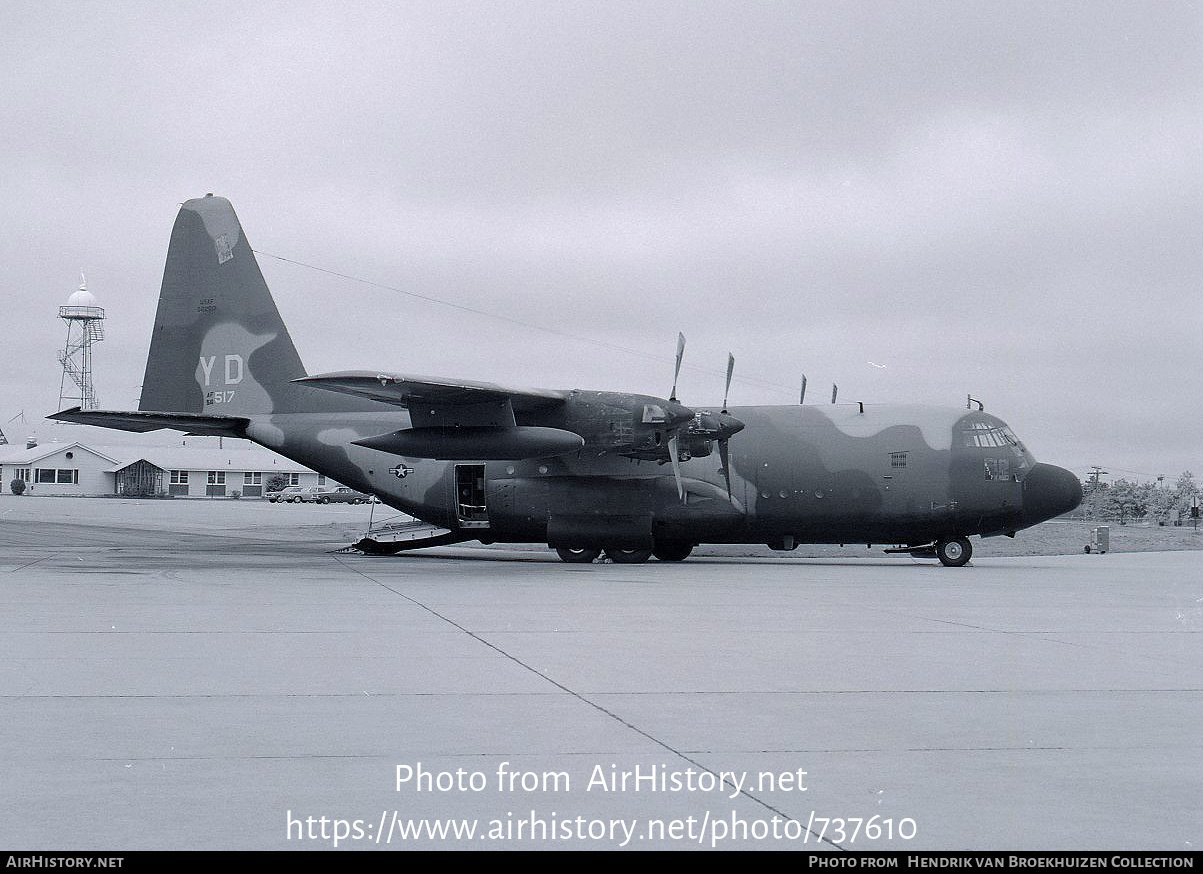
(17, 486)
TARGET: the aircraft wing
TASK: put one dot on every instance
(455, 419)
(419, 393)
(140, 422)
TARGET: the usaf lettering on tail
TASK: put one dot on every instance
(582, 471)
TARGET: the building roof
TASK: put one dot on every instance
(22, 456)
(208, 458)
(196, 457)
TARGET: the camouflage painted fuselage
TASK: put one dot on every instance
(800, 474)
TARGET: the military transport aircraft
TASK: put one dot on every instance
(582, 471)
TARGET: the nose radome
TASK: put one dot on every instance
(1049, 491)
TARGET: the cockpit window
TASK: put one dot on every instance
(986, 435)
(1006, 458)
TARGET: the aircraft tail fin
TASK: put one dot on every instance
(219, 346)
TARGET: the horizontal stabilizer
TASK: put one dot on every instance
(140, 422)
(476, 444)
(404, 391)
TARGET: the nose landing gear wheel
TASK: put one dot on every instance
(954, 552)
(577, 556)
(628, 556)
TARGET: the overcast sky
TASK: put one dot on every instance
(916, 200)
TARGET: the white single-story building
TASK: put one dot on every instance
(185, 471)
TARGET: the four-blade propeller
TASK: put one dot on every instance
(705, 427)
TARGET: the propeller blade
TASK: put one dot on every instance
(674, 454)
(677, 372)
(834, 391)
(730, 371)
(724, 455)
(802, 399)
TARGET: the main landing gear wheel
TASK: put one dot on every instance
(954, 552)
(577, 556)
(672, 551)
(628, 556)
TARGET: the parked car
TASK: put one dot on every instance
(348, 495)
(302, 495)
(279, 495)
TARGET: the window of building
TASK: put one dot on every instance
(216, 484)
(321, 479)
(179, 478)
(68, 476)
(294, 479)
(46, 475)
(252, 484)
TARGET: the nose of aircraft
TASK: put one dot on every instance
(1049, 491)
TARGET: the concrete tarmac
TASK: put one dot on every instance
(209, 675)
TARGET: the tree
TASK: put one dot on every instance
(1126, 500)
(276, 482)
(1123, 500)
(1160, 504)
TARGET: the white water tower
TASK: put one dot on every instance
(85, 326)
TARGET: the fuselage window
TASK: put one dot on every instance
(897, 459)
(998, 469)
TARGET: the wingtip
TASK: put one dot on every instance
(64, 415)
